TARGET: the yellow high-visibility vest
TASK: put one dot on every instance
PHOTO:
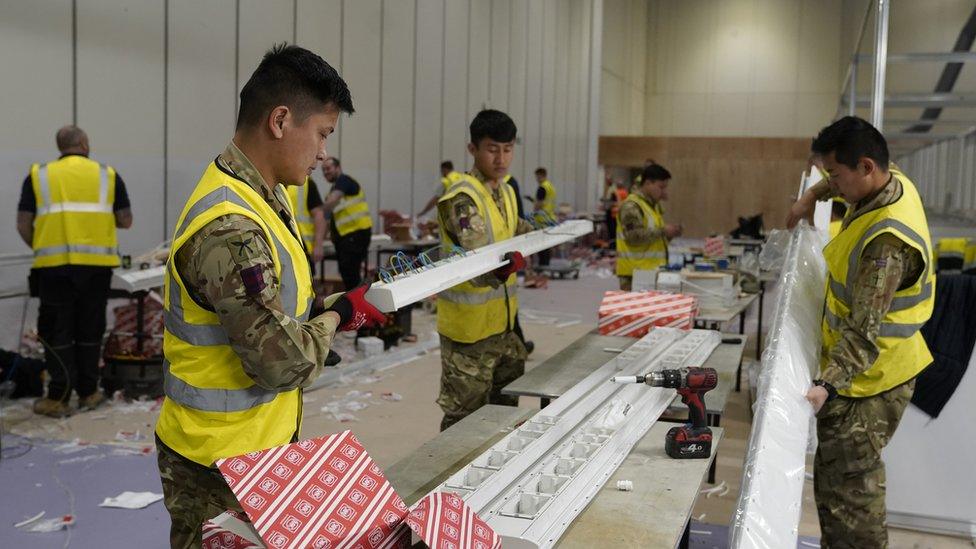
(903, 352)
(450, 179)
(834, 228)
(549, 202)
(969, 261)
(75, 222)
(649, 256)
(954, 248)
(298, 196)
(352, 213)
(213, 409)
(467, 313)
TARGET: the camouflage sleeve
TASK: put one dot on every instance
(523, 227)
(228, 268)
(886, 265)
(631, 220)
(822, 191)
(460, 218)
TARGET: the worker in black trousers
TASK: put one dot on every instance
(351, 226)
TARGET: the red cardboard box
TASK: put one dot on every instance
(635, 313)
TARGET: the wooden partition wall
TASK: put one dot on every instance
(718, 179)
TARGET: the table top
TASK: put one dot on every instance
(726, 314)
(652, 516)
(562, 371)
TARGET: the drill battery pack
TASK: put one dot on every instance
(686, 442)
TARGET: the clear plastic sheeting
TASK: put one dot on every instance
(775, 249)
(768, 510)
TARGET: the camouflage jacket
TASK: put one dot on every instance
(631, 222)
(460, 218)
(887, 265)
(276, 351)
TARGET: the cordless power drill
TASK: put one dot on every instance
(693, 439)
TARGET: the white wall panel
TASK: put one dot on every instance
(479, 43)
(362, 36)
(124, 119)
(454, 105)
(548, 106)
(319, 28)
(396, 143)
(517, 65)
(532, 127)
(201, 93)
(499, 34)
(263, 23)
(427, 100)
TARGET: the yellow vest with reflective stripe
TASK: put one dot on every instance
(450, 179)
(649, 256)
(352, 213)
(212, 408)
(467, 313)
(549, 202)
(970, 259)
(74, 223)
(951, 248)
(834, 228)
(298, 195)
(903, 352)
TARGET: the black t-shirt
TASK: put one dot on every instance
(28, 202)
(518, 197)
(313, 198)
(540, 194)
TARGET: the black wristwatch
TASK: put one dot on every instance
(831, 392)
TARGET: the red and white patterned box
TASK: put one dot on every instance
(443, 521)
(230, 530)
(716, 246)
(635, 313)
(327, 492)
(122, 339)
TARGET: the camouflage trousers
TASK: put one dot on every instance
(626, 282)
(849, 475)
(192, 494)
(473, 374)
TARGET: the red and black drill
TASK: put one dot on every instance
(693, 439)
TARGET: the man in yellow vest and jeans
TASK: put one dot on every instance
(238, 343)
(880, 291)
(642, 235)
(351, 226)
(306, 202)
(480, 352)
(545, 202)
(68, 212)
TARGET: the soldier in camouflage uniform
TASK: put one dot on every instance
(474, 373)
(855, 419)
(652, 186)
(227, 266)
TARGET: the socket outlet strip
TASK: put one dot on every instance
(534, 482)
(411, 287)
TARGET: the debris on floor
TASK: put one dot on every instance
(131, 500)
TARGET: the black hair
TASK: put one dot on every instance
(294, 77)
(447, 165)
(655, 172)
(541, 171)
(334, 161)
(850, 139)
(838, 209)
(494, 125)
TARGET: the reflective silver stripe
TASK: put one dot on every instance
(908, 301)
(473, 298)
(950, 255)
(103, 185)
(289, 288)
(44, 184)
(838, 290)
(74, 207)
(349, 202)
(75, 249)
(351, 218)
(213, 400)
(887, 329)
(195, 334)
(642, 255)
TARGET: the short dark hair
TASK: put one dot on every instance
(494, 125)
(850, 139)
(294, 77)
(334, 160)
(655, 172)
(69, 137)
(541, 171)
(447, 165)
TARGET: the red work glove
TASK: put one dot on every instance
(355, 312)
(515, 263)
